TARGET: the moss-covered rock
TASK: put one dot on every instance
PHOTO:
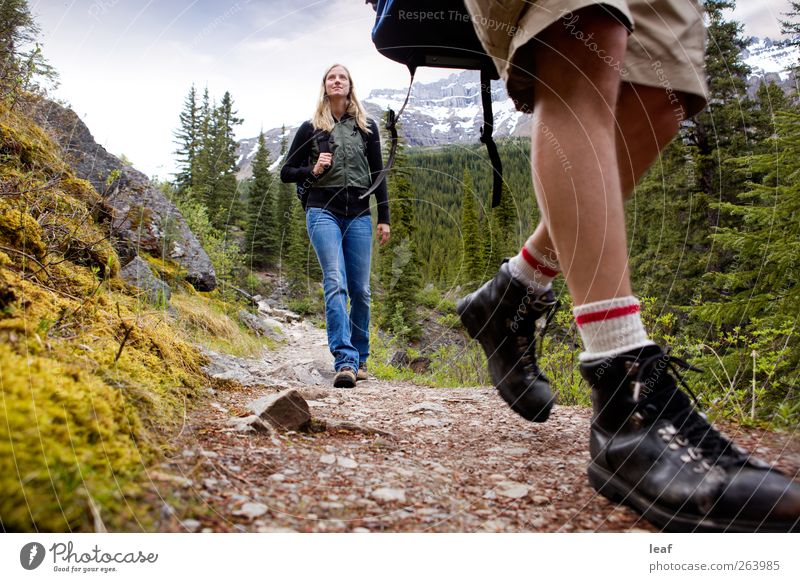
(18, 230)
(92, 383)
(65, 435)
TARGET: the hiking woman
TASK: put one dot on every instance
(334, 159)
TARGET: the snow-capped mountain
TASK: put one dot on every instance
(765, 56)
(446, 111)
(770, 61)
(449, 111)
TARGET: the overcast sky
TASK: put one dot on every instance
(126, 66)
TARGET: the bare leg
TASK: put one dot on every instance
(575, 101)
(646, 123)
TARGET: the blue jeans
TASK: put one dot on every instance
(344, 248)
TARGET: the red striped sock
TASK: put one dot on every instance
(610, 327)
(533, 268)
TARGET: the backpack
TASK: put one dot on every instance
(420, 33)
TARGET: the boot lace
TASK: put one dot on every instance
(529, 332)
(657, 395)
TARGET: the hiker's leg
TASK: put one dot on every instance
(357, 248)
(325, 233)
(575, 97)
(648, 118)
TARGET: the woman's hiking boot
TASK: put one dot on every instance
(502, 315)
(652, 450)
(362, 373)
(345, 378)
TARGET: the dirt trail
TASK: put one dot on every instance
(457, 460)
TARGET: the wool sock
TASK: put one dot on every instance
(533, 268)
(610, 327)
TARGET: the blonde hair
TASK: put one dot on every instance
(323, 118)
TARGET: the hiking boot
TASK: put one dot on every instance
(362, 372)
(502, 315)
(652, 450)
(345, 378)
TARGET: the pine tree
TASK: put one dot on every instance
(262, 235)
(767, 244)
(400, 276)
(722, 127)
(296, 264)
(188, 138)
(758, 300)
(204, 172)
(21, 60)
(17, 29)
(501, 230)
(790, 27)
(224, 147)
(286, 194)
(472, 263)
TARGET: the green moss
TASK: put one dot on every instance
(19, 230)
(91, 386)
(169, 271)
(25, 143)
(64, 436)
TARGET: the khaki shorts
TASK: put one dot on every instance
(666, 47)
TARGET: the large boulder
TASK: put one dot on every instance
(139, 274)
(143, 218)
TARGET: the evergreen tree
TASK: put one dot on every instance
(767, 239)
(501, 231)
(188, 138)
(17, 29)
(224, 147)
(790, 27)
(296, 264)
(19, 67)
(721, 128)
(286, 194)
(262, 235)
(758, 300)
(203, 173)
(400, 276)
(472, 263)
(770, 99)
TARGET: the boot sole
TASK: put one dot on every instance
(344, 383)
(621, 492)
(473, 327)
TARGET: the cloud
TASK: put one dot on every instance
(761, 18)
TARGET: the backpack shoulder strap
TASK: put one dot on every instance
(486, 137)
(391, 125)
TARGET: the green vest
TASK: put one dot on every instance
(350, 166)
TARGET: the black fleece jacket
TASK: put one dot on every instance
(342, 200)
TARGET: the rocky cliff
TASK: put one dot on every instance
(142, 217)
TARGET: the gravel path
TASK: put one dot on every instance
(454, 460)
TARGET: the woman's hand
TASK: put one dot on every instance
(323, 163)
(383, 233)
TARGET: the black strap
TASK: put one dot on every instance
(391, 125)
(486, 137)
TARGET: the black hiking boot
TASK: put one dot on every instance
(502, 315)
(652, 450)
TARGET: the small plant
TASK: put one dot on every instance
(449, 320)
